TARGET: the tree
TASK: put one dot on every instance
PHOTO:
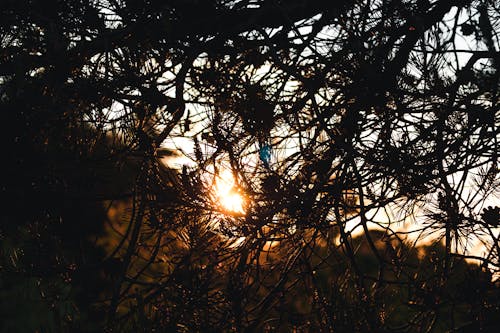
(328, 121)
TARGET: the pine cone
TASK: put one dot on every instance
(491, 216)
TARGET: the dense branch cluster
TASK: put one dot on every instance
(361, 136)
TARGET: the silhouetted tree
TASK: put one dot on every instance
(333, 119)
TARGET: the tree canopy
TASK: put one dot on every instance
(250, 165)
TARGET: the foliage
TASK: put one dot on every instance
(361, 137)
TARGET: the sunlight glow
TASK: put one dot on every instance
(227, 195)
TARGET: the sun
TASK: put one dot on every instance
(227, 195)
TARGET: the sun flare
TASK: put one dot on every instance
(227, 195)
